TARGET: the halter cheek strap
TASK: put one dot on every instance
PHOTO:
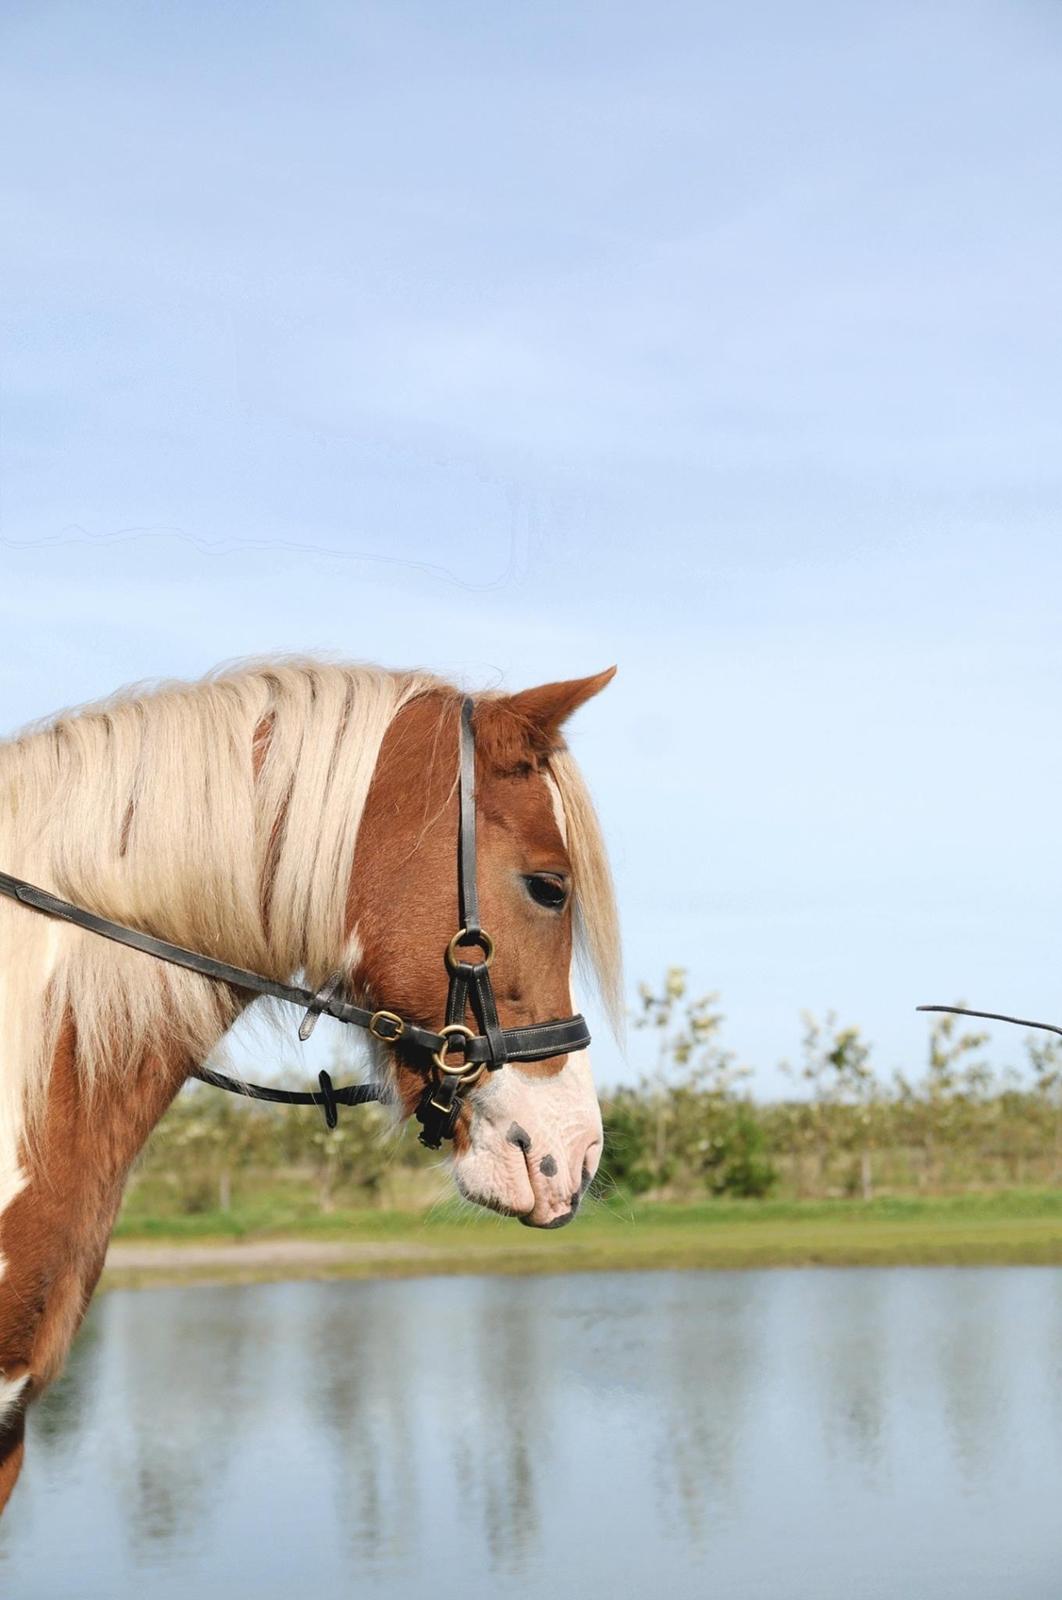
(470, 986)
(470, 982)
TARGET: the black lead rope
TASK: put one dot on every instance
(470, 984)
(993, 1016)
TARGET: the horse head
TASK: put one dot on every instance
(528, 1137)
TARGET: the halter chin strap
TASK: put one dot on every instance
(470, 986)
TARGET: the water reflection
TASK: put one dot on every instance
(848, 1345)
(354, 1387)
(511, 1432)
(69, 1409)
(792, 1434)
(186, 1381)
(704, 1394)
(973, 1379)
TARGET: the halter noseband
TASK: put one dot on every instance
(470, 986)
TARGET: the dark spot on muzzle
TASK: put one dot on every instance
(584, 1184)
(517, 1136)
(548, 1167)
(544, 1227)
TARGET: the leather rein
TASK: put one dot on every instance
(469, 988)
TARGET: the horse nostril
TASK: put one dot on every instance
(519, 1137)
(548, 1167)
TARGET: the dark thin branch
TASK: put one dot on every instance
(993, 1016)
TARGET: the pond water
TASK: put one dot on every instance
(774, 1435)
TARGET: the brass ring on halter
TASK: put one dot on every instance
(453, 961)
(397, 1025)
(466, 1074)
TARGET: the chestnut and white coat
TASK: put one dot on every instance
(291, 817)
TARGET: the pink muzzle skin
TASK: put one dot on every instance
(534, 1144)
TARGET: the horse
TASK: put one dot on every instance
(294, 817)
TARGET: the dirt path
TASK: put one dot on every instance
(141, 1263)
(140, 1256)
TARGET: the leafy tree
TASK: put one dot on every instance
(205, 1142)
(700, 1133)
(843, 1104)
(1045, 1058)
(942, 1109)
(628, 1140)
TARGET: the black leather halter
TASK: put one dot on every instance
(470, 986)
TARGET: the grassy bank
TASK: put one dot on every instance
(263, 1241)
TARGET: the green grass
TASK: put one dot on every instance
(1011, 1227)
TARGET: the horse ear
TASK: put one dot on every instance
(544, 710)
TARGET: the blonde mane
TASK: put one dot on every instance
(221, 815)
(597, 930)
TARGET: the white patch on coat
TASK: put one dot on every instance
(558, 805)
(558, 1111)
(562, 828)
(578, 1074)
(10, 1392)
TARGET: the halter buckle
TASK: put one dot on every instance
(437, 1117)
(394, 1022)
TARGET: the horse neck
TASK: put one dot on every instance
(54, 1229)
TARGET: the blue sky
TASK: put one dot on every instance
(719, 342)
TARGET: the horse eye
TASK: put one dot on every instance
(547, 890)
